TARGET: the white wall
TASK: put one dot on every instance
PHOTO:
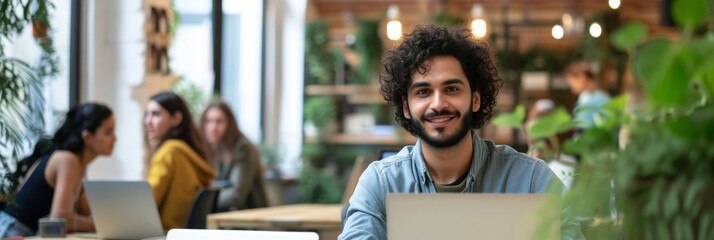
(244, 96)
(113, 63)
(284, 76)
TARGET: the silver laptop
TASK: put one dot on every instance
(123, 209)
(471, 216)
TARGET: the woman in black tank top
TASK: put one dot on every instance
(54, 188)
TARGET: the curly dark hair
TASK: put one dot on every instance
(426, 42)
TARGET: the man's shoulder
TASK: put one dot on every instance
(395, 173)
(404, 156)
(398, 164)
(507, 154)
(526, 173)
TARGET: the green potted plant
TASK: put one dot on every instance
(659, 184)
(665, 173)
(656, 181)
(319, 60)
(542, 132)
(321, 113)
(193, 95)
(21, 85)
(368, 45)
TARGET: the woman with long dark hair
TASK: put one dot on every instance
(235, 158)
(178, 165)
(53, 186)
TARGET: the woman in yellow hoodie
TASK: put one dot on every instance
(178, 165)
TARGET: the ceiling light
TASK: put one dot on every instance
(394, 27)
(394, 30)
(478, 28)
(557, 32)
(595, 30)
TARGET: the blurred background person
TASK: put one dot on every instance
(550, 149)
(178, 162)
(543, 149)
(235, 158)
(583, 82)
(53, 186)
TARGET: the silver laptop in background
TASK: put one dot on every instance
(123, 209)
(470, 216)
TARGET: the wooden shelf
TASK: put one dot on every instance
(366, 139)
(341, 89)
(366, 99)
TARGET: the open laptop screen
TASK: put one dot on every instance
(123, 209)
(471, 216)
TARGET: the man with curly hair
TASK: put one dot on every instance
(443, 84)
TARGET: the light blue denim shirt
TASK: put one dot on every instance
(494, 169)
(588, 107)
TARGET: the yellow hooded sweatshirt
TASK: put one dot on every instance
(176, 174)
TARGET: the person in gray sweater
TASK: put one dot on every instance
(235, 158)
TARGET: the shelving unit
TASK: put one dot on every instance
(356, 94)
(403, 139)
(353, 95)
(317, 90)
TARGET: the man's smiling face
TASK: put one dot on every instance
(440, 102)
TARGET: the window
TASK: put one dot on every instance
(57, 88)
(191, 52)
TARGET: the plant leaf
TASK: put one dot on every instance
(512, 119)
(671, 200)
(665, 72)
(628, 36)
(556, 122)
(690, 14)
(684, 128)
(705, 73)
(613, 114)
(705, 228)
(592, 139)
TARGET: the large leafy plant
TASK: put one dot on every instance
(657, 180)
(542, 132)
(21, 84)
(665, 177)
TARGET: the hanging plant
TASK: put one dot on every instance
(21, 85)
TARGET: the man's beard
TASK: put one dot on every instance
(444, 141)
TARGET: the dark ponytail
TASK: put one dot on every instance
(88, 116)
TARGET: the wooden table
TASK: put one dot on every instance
(322, 218)
(83, 236)
(70, 236)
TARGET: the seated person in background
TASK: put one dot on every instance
(562, 165)
(540, 108)
(43, 147)
(53, 187)
(443, 84)
(235, 158)
(178, 161)
(583, 82)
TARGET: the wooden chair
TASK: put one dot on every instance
(359, 167)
